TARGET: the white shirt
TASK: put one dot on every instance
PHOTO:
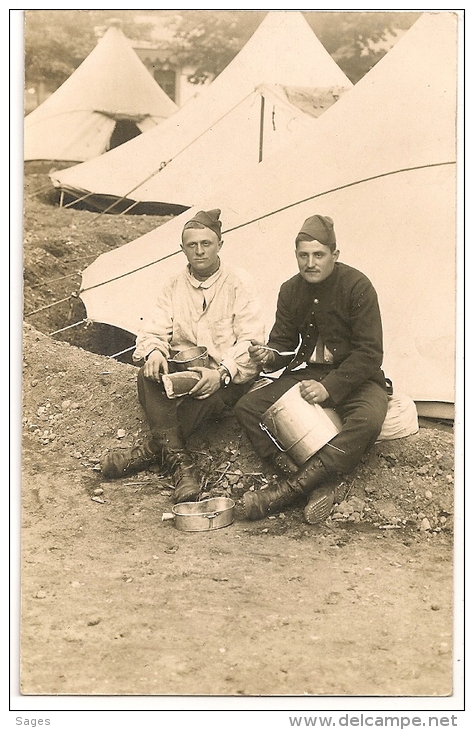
(221, 313)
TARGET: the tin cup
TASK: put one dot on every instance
(190, 358)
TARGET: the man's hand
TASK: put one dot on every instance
(210, 382)
(155, 365)
(260, 355)
(313, 391)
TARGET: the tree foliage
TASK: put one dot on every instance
(208, 40)
(356, 40)
(57, 41)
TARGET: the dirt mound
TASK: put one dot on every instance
(77, 405)
(59, 243)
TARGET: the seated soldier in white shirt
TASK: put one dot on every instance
(209, 305)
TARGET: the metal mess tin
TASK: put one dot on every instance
(210, 514)
(192, 357)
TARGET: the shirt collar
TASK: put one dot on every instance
(207, 283)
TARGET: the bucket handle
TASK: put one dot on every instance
(269, 433)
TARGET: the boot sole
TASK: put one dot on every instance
(320, 506)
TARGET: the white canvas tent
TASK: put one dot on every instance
(110, 93)
(381, 163)
(225, 127)
(263, 122)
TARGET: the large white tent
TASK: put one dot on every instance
(230, 125)
(381, 163)
(110, 93)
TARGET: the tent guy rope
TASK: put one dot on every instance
(274, 212)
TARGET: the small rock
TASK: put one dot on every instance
(93, 622)
(265, 530)
(346, 508)
(428, 494)
(121, 433)
(425, 524)
(40, 594)
(435, 607)
(98, 491)
(75, 584)
(65, 404)
(357, 504)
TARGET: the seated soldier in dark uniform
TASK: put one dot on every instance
(328, 315)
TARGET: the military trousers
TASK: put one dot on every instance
(186, 413)
(362, 415)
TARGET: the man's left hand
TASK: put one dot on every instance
(313, 391)
(210, 382)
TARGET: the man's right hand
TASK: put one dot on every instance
(155, 365)
(260, 355)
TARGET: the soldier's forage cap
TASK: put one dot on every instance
(208, 218)
(321, 228)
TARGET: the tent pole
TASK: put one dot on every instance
(262, 119)
(61, 199)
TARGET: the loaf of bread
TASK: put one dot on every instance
(178, 384)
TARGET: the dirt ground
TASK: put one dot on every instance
(116, 601)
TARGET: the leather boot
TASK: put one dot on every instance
(179, 464)
(284, 463)
(260, 504)
(120, 462)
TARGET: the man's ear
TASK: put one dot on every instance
(221, 243)
(336, 255)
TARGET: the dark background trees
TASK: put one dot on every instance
(209, 40)
(57, 41)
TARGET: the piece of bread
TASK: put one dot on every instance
(178, 384)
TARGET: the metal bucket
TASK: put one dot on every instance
(190, 358)
(210, 514)
(298, 427)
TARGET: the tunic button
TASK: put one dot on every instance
(316, 301)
